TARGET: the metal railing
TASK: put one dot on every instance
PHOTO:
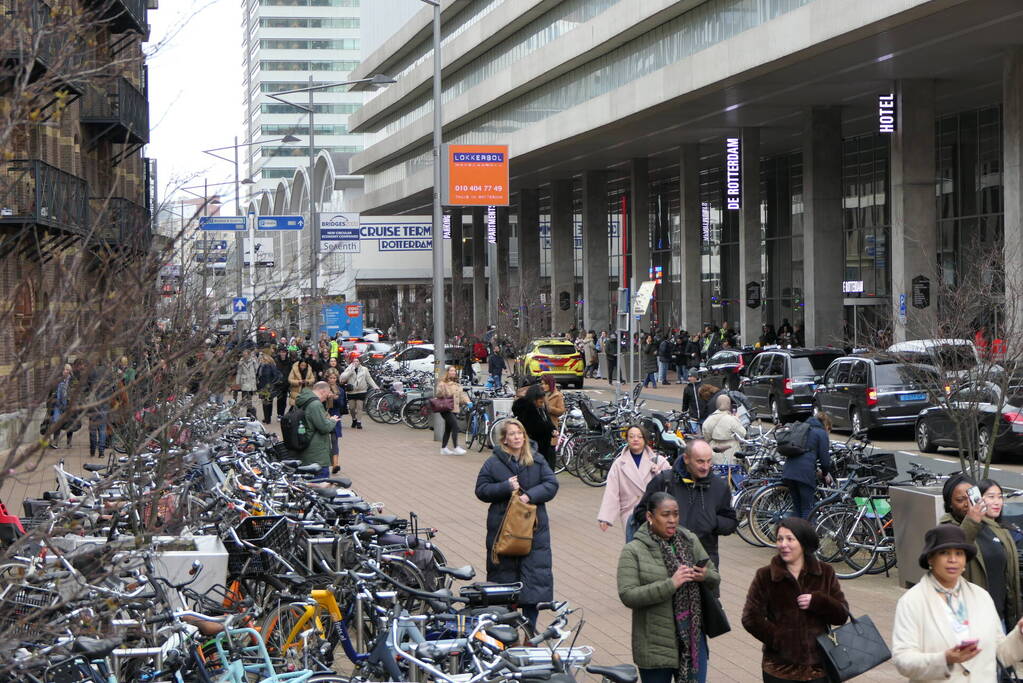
(27, 37)
(33, 192)
(123, 15)
(121, 222)
(121, 108)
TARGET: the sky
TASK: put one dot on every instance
(195, 90)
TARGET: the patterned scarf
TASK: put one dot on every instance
(954, 602)
(685, 604)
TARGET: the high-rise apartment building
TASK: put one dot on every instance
(285, 42)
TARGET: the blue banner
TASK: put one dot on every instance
(343, 318)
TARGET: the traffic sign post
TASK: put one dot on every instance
(280, 222)
(222, 223)
(240, 307)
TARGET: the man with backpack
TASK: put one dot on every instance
(805, 445)
(307, 427)
(665, 355)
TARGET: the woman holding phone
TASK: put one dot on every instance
(658, 576)
(946, 628)
(792, 601)
(995, 568)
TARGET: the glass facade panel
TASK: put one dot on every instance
(295, 65)
(866, 214)
(719, 259)
(309, 22)
(781, 189)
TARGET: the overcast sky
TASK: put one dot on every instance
(195, 90)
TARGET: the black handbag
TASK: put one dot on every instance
(715, 621)
(852, 649)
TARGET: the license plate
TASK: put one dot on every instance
(921, 396)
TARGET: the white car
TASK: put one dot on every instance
(419, 358)
(956, 357)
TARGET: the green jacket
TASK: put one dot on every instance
(319, 427)
(645, 587)
(976, 572)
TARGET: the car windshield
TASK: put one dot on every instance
(905, 375)
(555, 349)
(811, 366)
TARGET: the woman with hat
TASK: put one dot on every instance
(995, 566)
(946, 628)
(792, 601)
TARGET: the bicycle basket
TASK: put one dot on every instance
(279, 451)
(25, 611)
(271, 532)
(881, 464)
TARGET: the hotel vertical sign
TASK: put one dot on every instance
(886, 113)
(733, 174)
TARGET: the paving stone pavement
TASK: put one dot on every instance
(405, 470)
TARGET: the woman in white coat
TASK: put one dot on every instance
(946, 628)
(631, 471)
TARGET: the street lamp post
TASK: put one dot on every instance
(439, 338)
(314, 260)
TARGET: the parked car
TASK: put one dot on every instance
(980, 410)
(551, 357)
(420, 357)
(724, 368)
(864, 392)
(957, 358)
(781, 382)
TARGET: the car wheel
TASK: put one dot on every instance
(775, 413)
(856, 421)
(923, 438)
(578, 384)
(983, 442)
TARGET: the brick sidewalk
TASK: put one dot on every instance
(404, 469)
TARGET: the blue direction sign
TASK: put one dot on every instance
(222, 223)
(240, 304)
(280, 222)
(211, 245)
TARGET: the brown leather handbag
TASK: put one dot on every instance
(515, 537)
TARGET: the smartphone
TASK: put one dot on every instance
(703, 562)
(973, 493)
(968, 644)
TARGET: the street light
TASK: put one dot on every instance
(314, 261)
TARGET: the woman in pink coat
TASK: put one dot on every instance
(631, 471)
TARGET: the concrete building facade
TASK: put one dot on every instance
(768, 160)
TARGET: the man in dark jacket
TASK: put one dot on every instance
(318, 425)
(531, 411)
(611, 347)
(704, 501)
(799, 473)
(283, 362)
(496, 366)
(665, 354)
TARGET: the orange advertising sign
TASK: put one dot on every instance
(477, 175)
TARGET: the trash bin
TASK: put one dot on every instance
(501, 407)
(914, 511)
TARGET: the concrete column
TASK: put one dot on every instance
(529, 263)
(1012, 184)
(822, 220)
(479, 270)
(562, 261)
(502, 301)
(639, 230)
(596, 300)
(914, 214)
(691, 215)
(750, 250)
(457, 320)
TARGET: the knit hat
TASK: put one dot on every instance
(943, 537)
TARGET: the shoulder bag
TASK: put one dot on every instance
(852, 649)
(444, 404)
(515, 537)
(715, 621)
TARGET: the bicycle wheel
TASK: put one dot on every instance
(595, 460)
(741, 503)
(851, 540)
(472, 429)
(372, 406)
(770, 505)
(885, 551)
(829, 522)
(484, 430)
(276, 628)
(416, 413)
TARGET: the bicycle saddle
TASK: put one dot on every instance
(410, 542)
(507, 635)
(291, 463)
(94, 467)
(620, 673)
(466, 573)
(308, 469)
(95, 648)
(337, 480)
(324, 491)
(382, 519)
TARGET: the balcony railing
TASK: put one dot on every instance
(120, 222)
(34, 193)
(118, 113)
(27, 38)
(122, 15)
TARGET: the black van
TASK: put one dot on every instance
(780, 382)
(865, 392)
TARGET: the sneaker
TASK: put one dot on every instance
(446, 451)
(460, 451)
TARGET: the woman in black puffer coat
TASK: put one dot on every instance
(512, 468)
